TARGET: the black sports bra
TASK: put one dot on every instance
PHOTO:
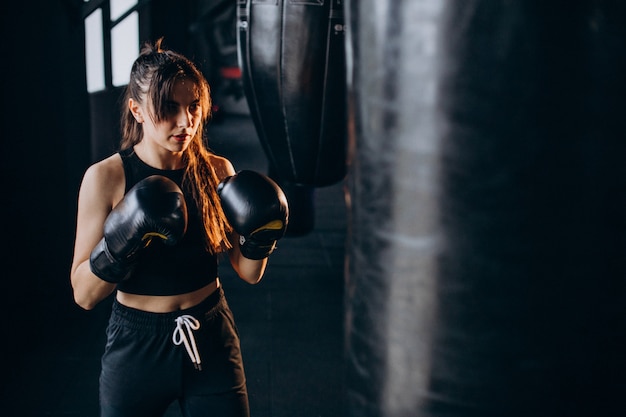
(168, 270)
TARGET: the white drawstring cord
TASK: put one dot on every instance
(181, 336)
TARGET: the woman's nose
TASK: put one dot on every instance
(184, 119)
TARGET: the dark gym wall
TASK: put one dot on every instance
(45, 148)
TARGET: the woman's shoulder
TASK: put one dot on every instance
(223, 167)
(106, 178)
(109, 169)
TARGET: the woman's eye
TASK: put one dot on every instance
(171, 108)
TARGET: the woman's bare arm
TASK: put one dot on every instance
(102, 187)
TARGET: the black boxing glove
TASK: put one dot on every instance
(154, 208)
(257, 209)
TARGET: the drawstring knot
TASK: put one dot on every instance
(183, 334)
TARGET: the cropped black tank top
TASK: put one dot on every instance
(162, 269)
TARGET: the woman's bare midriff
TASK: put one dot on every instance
(167, 303)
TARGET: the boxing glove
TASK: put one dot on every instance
(154, 208)
(257, 209)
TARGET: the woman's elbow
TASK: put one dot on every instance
(252, 279)
(84, 302)
(249, 270)
(87, 295)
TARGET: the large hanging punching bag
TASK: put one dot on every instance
(487, 203)
(292, 58)
(291, 54)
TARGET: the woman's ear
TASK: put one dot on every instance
(135, 109)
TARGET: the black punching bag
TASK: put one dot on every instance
(487, 203)
(292, 59)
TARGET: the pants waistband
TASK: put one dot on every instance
(166, 322)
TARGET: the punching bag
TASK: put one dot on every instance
(486, 270)
(292, 58)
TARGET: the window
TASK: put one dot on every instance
(111, 41)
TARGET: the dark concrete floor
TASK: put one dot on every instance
(291, 323)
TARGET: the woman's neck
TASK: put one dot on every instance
(159, 158)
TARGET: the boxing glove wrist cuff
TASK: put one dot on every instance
(256, 249)
(104, 265)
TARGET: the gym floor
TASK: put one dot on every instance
(291, 324)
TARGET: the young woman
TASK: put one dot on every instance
(151, 225)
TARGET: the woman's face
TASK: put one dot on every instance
(183, 114)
